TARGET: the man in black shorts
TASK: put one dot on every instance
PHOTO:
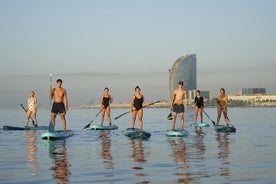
(177, 104)
(60, 105)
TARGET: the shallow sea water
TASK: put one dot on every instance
(204, 156)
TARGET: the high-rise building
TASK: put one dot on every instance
(253, 91)
(183, 69)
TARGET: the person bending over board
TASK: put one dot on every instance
(31, 108)
(199, 105)
(177, 104)
(136, 107)
(106, 99)
(60, 105)
(222, 106)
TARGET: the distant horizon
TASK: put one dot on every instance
(91, 45)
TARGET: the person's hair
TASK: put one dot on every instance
(106, 88)
(222, 90)
(198, 91)
(137, 87)
(180, 82)
(59, 80)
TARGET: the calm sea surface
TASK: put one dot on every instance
(247, 156)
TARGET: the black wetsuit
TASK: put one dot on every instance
(199, 102)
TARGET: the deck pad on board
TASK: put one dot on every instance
(224, 128)
(102, 127)
(59, 134)
(176, 133)
(25, 128)
(136, 133)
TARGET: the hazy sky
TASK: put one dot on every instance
(91, 44)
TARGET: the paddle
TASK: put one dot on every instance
(169, 117)
(134, 110)
(51, 126)
(26, 112)
(88, 125)
(209, 118)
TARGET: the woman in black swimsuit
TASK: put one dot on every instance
(136, 106)
(199, 105)
(106, 99)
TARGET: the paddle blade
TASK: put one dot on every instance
(51, 128)
(88, 125)
(169, 116)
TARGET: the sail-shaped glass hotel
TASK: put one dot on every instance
(183, 69)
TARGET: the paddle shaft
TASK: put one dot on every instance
(209, 118)
(88, 125)
(135, 109)
(26, 112)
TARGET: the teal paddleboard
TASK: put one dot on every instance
(58, 134)
(177, 133)
(103, 127)
(136, 133)
(224, 128)
(200, 124)
(25, 128)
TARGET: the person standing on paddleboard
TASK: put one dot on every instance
(31, 108)
(106, 99)
(199, 105)
(60, 105)
(136, 107)
(179, 95)
(222, 101)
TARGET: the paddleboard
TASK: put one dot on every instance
(136, 133)
(224, 128)
(177, 133)
(25, 128)
(103, 127)
(200, 124)
(58, 134)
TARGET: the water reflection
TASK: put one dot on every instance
(31, 149)
(223, 152)
(180, 157)
(138, 157)
(61, 168)
(105, 149)
(199, 143)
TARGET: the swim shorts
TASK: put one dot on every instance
(178, 108)
(58, 107)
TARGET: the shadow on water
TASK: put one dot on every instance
(223, 153)
(61, 168)
(31, 149)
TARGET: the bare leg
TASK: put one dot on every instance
(201, 116)
(54, 119)
(34, 116)
(173, 120)
(182, 120)
(140, 116)
(27, 118)
(108, 115)
(219, 115)
(63, 120)
(102, 119)
(134, 113)
(196, 113)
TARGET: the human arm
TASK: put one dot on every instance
(65, 100)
